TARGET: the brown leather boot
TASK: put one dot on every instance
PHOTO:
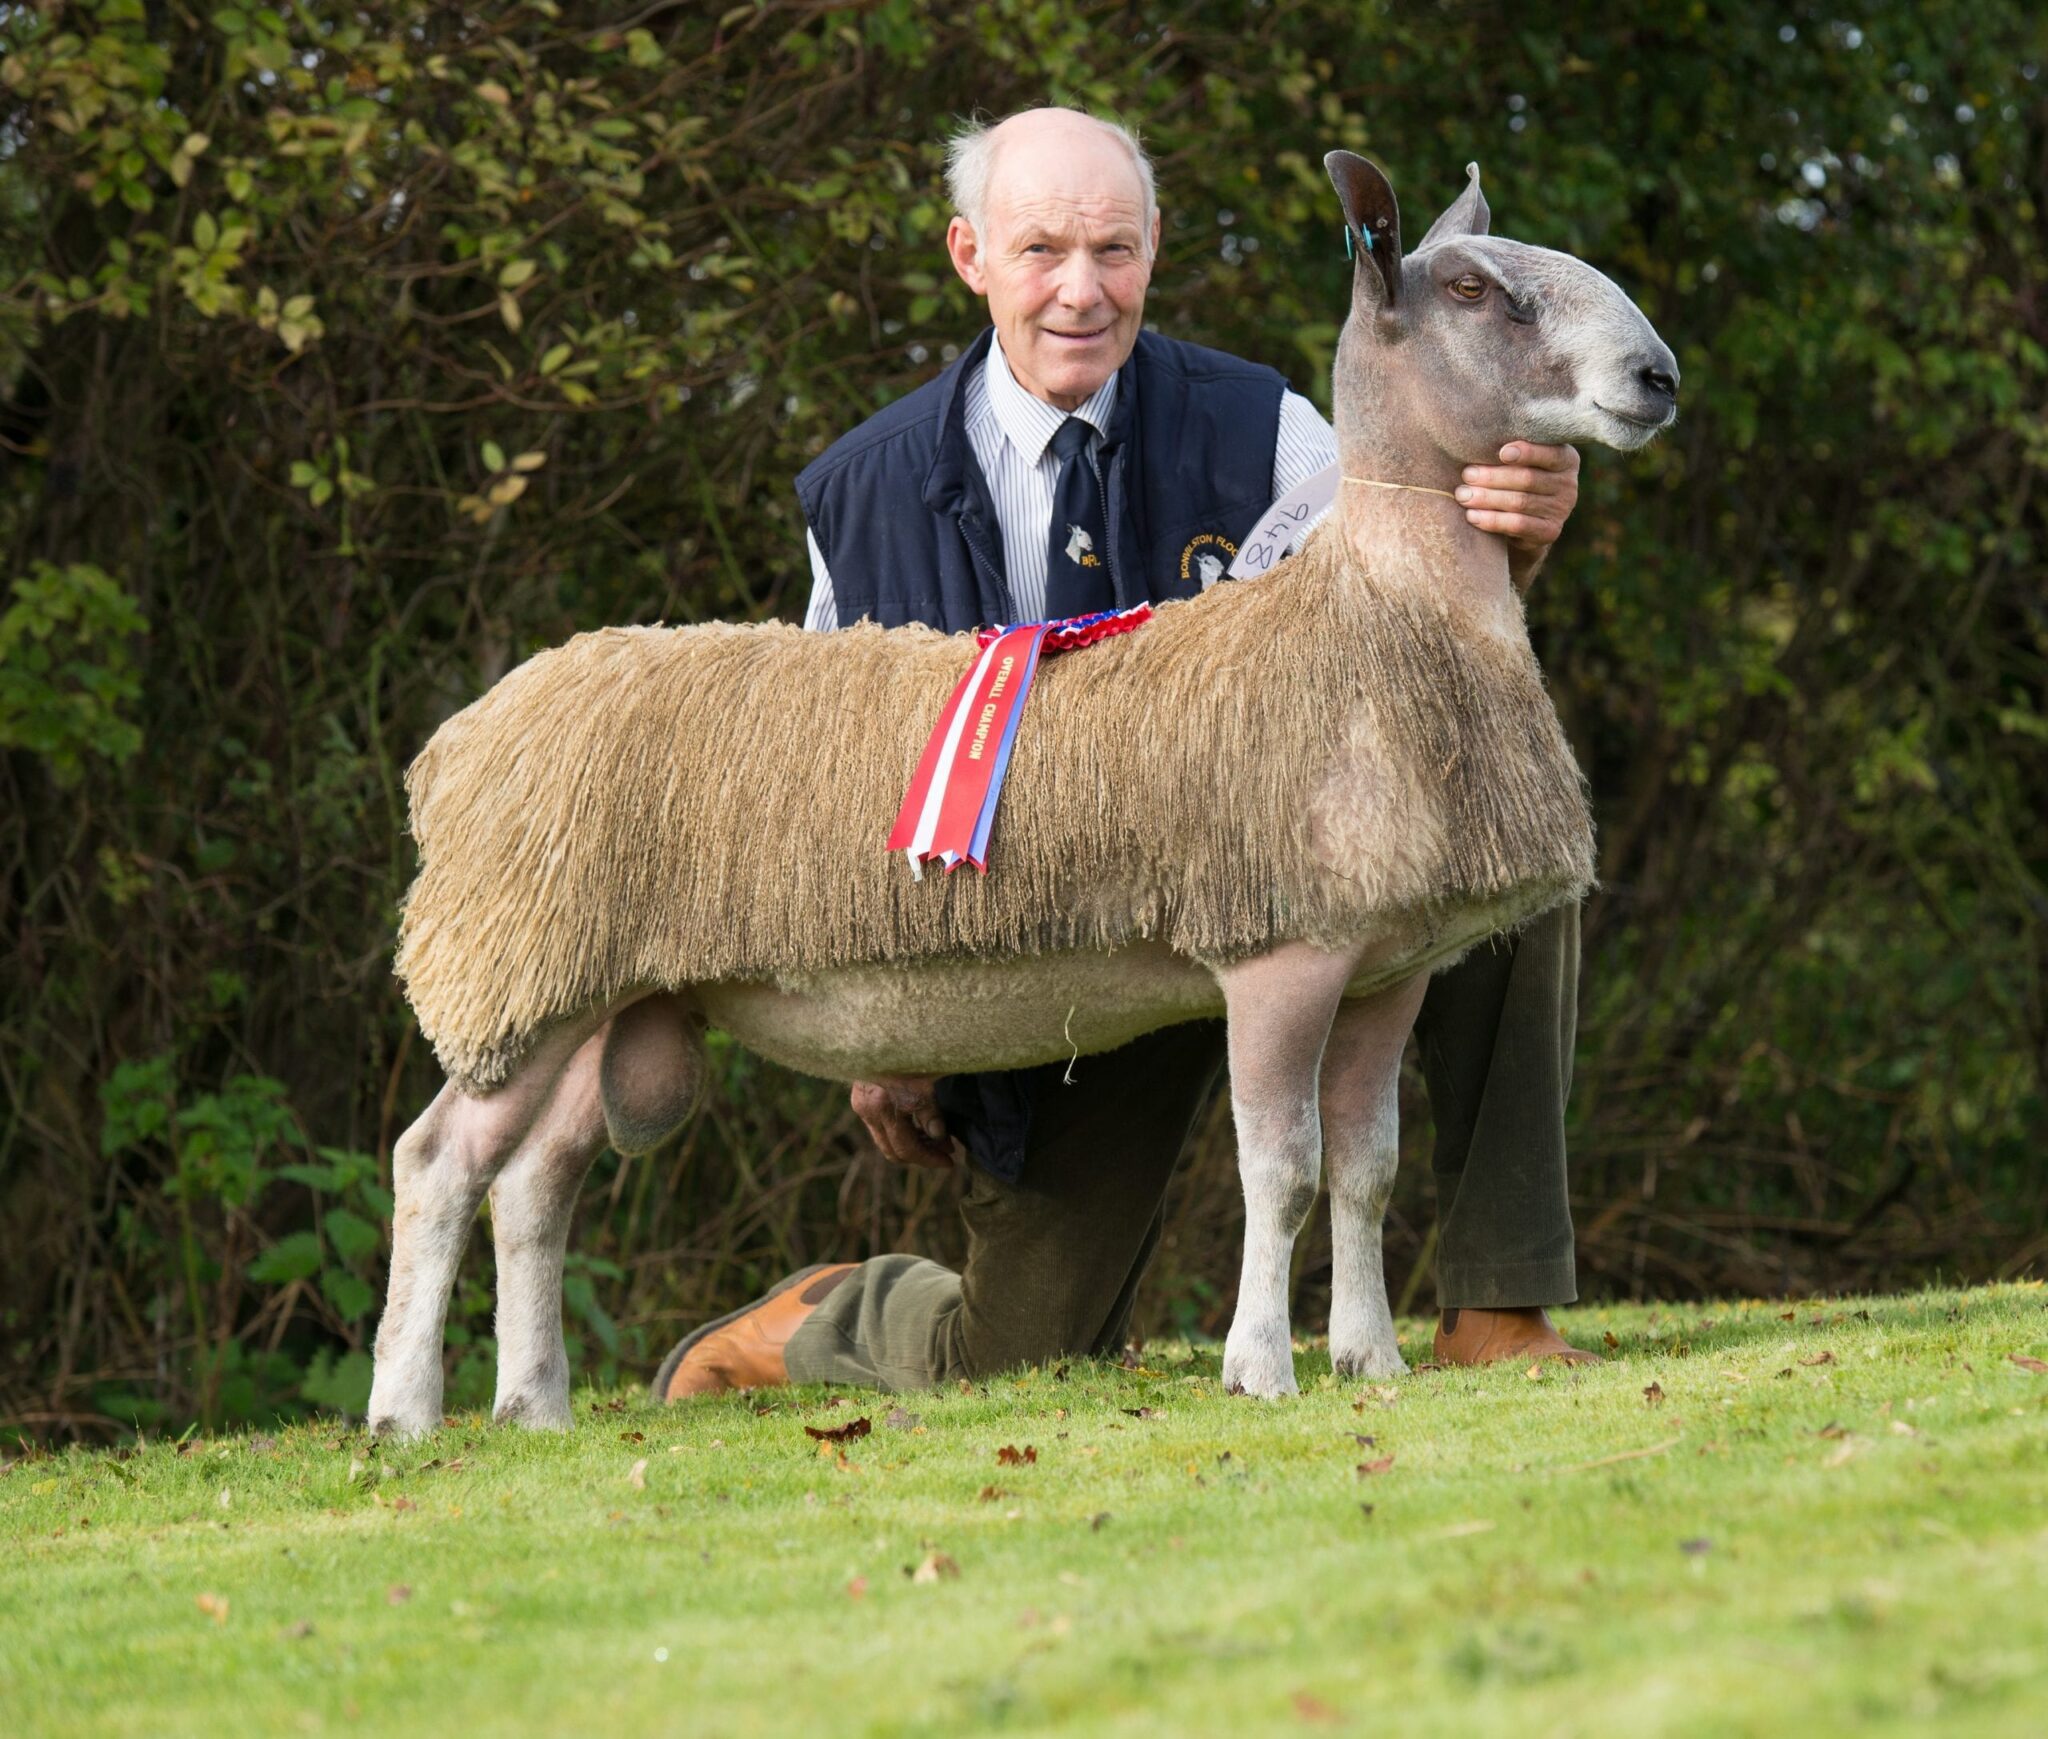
(744, 1350)
(1485, 1337)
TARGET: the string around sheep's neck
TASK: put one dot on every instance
(1412, 488)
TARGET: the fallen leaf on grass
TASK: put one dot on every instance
(1788, 1315)
(1011, 1456)
(403, 1503)
(1819, 1358)
(636, 1475)
(2038, 1366)
(1096, 1521)
(1612, 1339)
(1847, 1448)
(1313, 1708)
(902, 1420)
(857, 1589)
(993, 1494)
(1462, 1530)
(1140, 1412)
(632, 1437)
(1901, 1429)
(1654, 1394)
(841, 1433)
(936, 1567)
(397, 1594)
(1834, 1432)
(1363, 1441)
(1695, 1548)
(292, 1632)
(1534, 1373)
(1366, 1469)
(215, 1606)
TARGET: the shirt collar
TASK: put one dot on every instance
(1028, 421)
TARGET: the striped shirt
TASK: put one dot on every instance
(1011, 433)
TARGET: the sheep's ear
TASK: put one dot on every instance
(1375, 220)
(1465, 215)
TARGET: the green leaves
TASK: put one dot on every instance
(352, 1236)
(293, 1257)
(68, 675)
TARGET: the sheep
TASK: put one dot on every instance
(1285, 802)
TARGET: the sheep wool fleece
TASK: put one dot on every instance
(1287, 758)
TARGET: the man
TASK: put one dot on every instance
(1070, 461)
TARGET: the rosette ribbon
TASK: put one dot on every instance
(949, 810)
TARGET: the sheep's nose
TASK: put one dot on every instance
(1659, 381)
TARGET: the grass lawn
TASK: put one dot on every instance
(1824, 1519)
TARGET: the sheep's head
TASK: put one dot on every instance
(1472, 341)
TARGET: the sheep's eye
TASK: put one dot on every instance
(1468, 288)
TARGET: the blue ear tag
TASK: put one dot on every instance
(1348, 251)
(1364, 235)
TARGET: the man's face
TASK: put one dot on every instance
(1066, 259)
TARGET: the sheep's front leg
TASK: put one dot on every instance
(1361, 1111)
(1280, 1007)
(532, 1204)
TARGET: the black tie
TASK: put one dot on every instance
(1077, 568)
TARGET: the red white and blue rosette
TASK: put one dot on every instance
(949, 810)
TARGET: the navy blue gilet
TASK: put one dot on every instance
(908, 527)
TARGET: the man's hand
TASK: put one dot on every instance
(903, 1117)
(1526, 499)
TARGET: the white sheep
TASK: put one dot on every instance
(1285, 801)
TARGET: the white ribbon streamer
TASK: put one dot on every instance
(934, 799)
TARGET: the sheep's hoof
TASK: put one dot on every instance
(398, 1416)
(1380, 1362)
(534, 1412)
(1263, 1371)
(397, 1428)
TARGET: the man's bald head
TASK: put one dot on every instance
(1040, 148)
(1056, 225)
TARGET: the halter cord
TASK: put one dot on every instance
(1412, 488)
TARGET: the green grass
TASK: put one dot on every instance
(1833, 1523)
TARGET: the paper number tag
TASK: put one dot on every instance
(1283, 523)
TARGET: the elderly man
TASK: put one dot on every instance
(1071, 461)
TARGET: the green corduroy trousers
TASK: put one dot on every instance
(1054, 1260)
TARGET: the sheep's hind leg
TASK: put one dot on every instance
(440, 1170)
(1280, 1007)
(1361, 1110)
(637, 1080)
(532, 1204)
(438, 1177)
